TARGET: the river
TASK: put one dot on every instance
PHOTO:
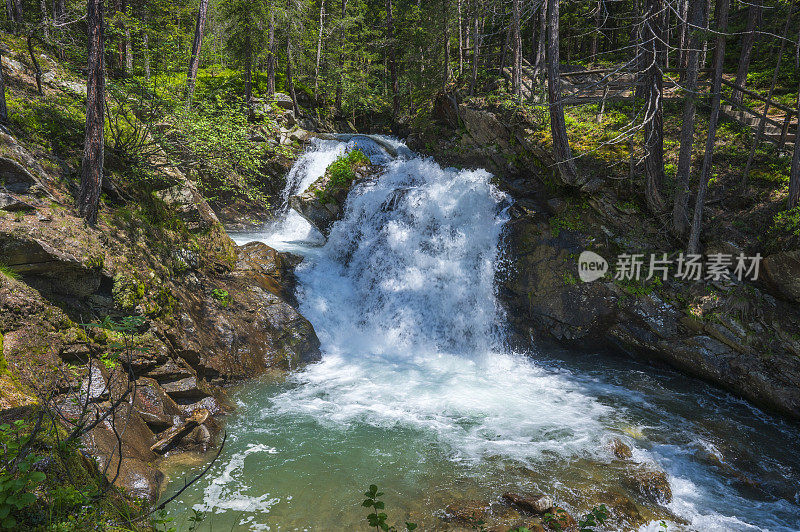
(419, 392)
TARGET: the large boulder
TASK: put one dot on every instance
(323, 202)
(782, 272)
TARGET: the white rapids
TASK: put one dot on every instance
(418, 392)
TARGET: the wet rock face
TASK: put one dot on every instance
(322, 204)
(738, 337)
(650, 484)
(782, 272)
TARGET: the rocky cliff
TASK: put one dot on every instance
(743, 336)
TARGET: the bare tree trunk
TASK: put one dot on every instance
(289, 80)
(680, 210)
(92, 163)
(392, 62)
(654, 115)
(128, 51)
(194, 61)
(716, 93)
(541, 47)
(60, 11)
(753, 18)
(516, 67)
(460, 40)
(476, 49)
(271, 55)
(11, 13)
(341, 61)
(683, 35)
(561, 149)
(446, 43)
(319, 48)
(704, 53)
(763, 122)
(596, 32)
(18, 17)
(794, 174)
(3, 106)
(45, 20)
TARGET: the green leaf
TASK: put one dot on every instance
(379, 505)
(367, 503)
(411, 526)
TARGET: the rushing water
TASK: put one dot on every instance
(417, 391)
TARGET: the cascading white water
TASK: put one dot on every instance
(415, 391)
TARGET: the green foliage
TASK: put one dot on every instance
(222, 296)
(8, 272)
(17, 478)
(342, 171)
(596, 517)
(377, 518)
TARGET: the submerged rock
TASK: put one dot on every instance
(652, 484)
(537, 505)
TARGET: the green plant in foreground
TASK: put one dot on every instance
(378, 519)
(17, 480)
(596, 517)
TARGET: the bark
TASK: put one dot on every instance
(680, 211)
(654, 115)
(92, 163)
(683, 35)
(460, 40)
(716, 93)
(289, 80)
(706, 21)
(194, 61)
(3, 106)
(248, 73)
(762, 124)
(561, 149)
(541, 47)
(319, 48)
(341, 61)
(37, 70)
(18, 11)
(753, 17)
(45, 20)
(446, 43)
(794, 174)
(516, 67)
(596, 32)
(10, 12)
(392, 62)
(476, 50)
(271, 55)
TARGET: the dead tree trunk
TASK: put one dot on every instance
(680, 210)
(92, 163)
(146, 54)
(561, 149)
(654, 115)
(541, 47)
(446, 44)
(753, 18)
(289, 80)
(3, 106)
(476, 49)
(516, 67)
(194, 61)
(794, 174)
(45, 20)
(460, 39)
(716, 93)
(271, 54)
(596, 32)
(319, 48)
